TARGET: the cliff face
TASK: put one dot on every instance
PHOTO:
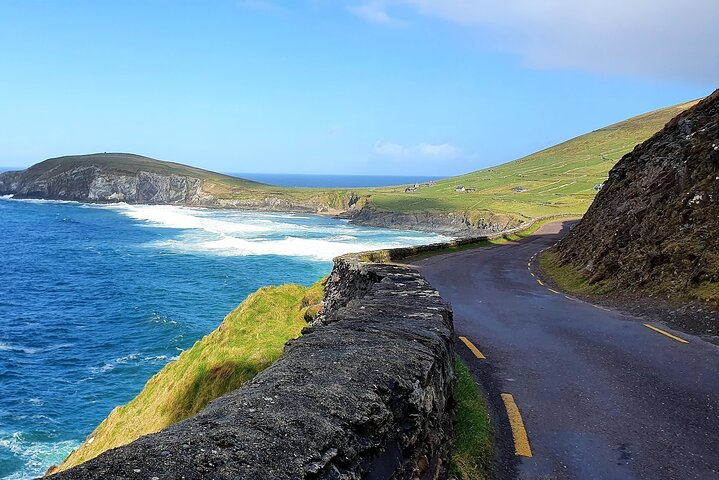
(654, 226)
(92, 184)
(104, 178)
(367, 392)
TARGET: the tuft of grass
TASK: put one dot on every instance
(247, 341)
(570, 278)
(706, 292)
(473, 437)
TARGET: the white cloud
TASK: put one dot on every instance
(440, 150)
(389, 149)
(665, 39)
(375, 12)
(424, 149)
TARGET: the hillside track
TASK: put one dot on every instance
(595, 393)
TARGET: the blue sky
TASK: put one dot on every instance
(436, 87)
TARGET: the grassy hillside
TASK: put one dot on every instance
(559, 179)
(248, 341)
(131, 163)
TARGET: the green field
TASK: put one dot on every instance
(249, 340)
(559, 179)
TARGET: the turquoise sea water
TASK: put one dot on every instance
(96, 299)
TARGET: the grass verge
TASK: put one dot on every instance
(568, 277)
(473, 438)
(249, 340)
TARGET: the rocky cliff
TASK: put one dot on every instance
(654, 227)
(365, 393)
(106, 178)
(121, 177)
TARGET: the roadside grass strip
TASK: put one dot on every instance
(519, 433)
(473, 436)
(665, 333)
(472, 348)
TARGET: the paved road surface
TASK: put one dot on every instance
(601, 395)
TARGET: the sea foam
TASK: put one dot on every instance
(35, 454)
(239, 233)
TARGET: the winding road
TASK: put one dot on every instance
(577, 391)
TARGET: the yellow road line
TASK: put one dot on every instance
(521, 442)
(472, 348)
(659, 330)
(540, 282)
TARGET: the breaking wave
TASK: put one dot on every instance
(237, 233)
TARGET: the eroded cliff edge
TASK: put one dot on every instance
(366, 392)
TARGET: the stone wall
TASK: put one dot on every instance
(366, 392)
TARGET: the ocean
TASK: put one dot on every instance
(334, 181)
(96, 299)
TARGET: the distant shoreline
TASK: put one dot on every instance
(304, 180)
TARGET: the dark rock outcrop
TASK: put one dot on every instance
(446, 223)
(654, 226)
(366, 392)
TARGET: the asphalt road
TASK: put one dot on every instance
(601, 396)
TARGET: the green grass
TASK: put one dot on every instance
(570, 278)
(249, 340)
(131, 163)
(706, 292)
(559, 179)
(472, 440)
